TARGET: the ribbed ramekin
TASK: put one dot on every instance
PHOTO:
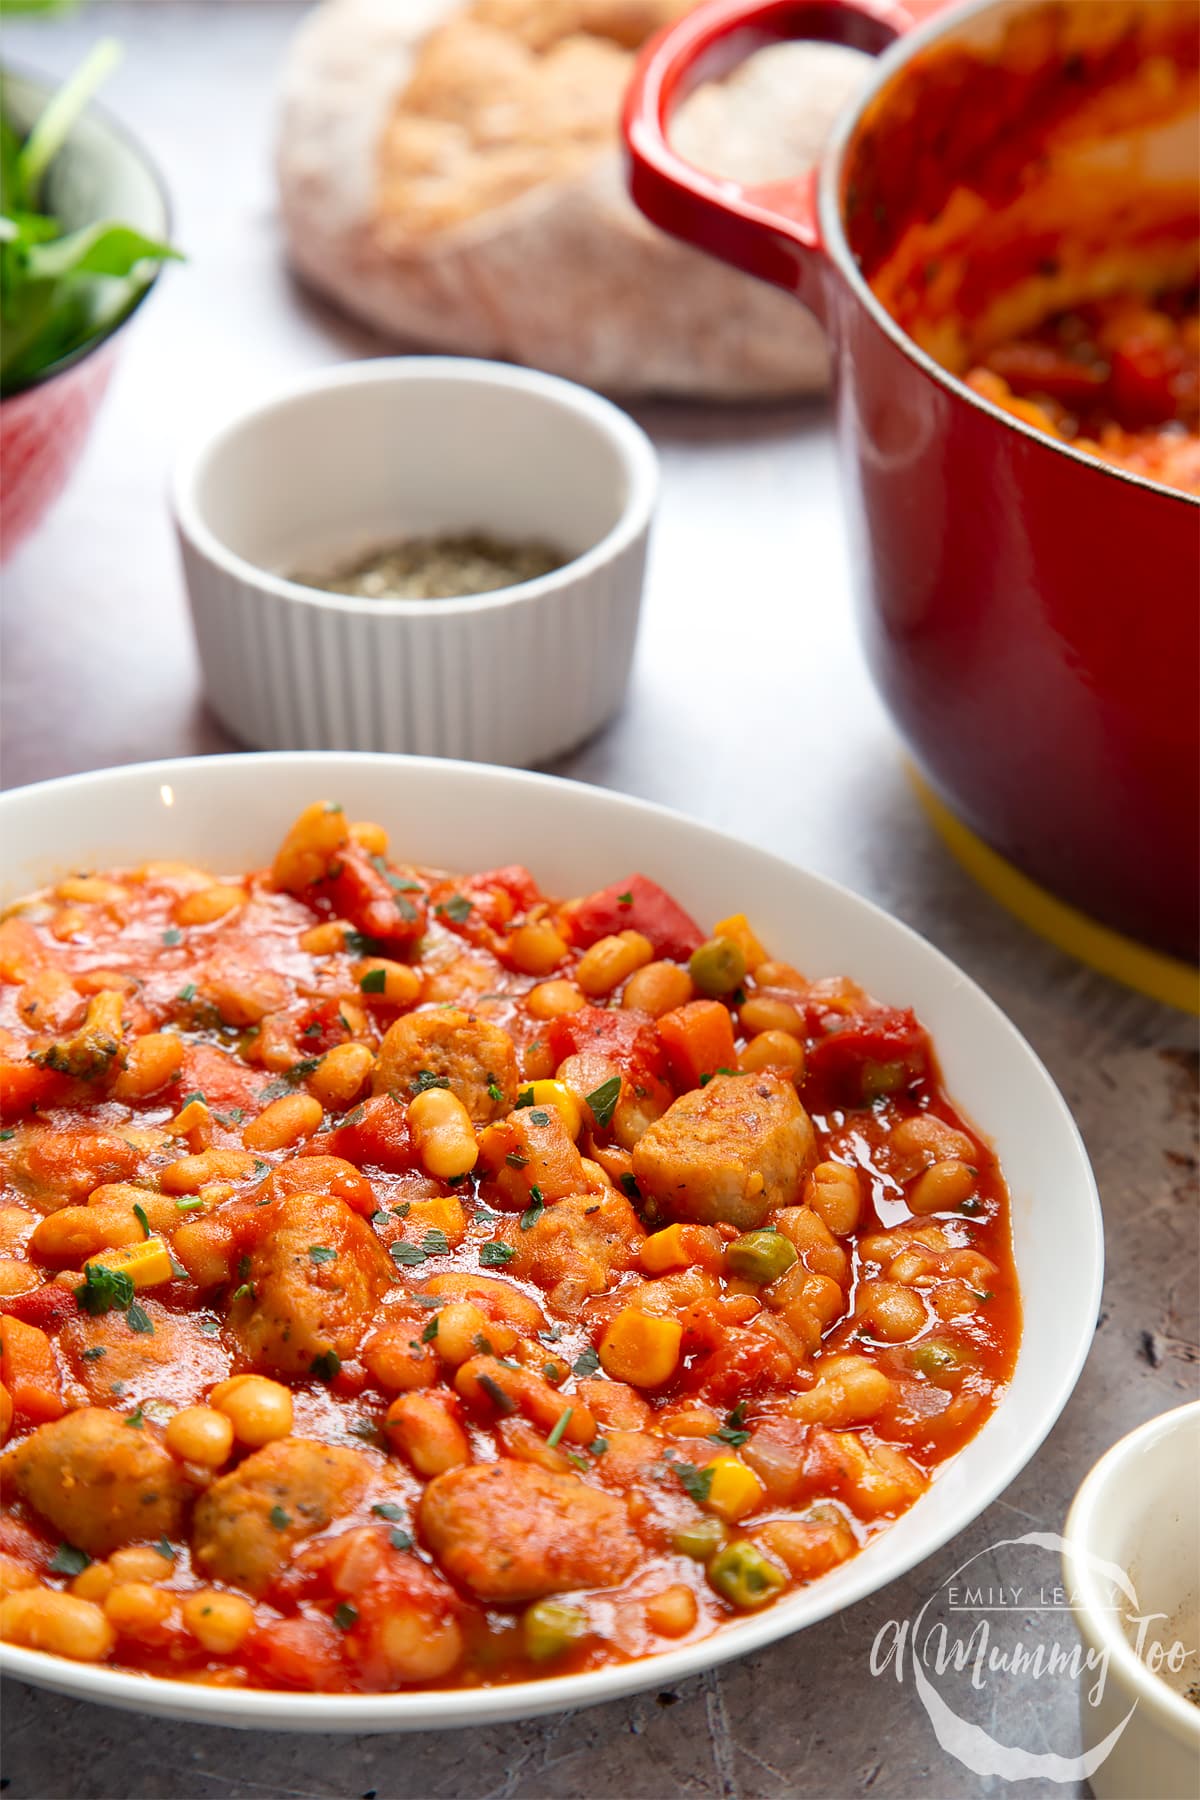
(362, 454)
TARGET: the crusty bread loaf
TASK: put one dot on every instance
(450, 173)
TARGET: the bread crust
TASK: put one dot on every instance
(566, 275)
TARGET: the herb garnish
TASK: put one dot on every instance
(502, 1402)
(603, 1100)
(172, 936)
(325, 1365)
(68, 1560)
(695, 1480)
(103, 1289)
(321, 1253)
(560, 1425)
(345, 1615)
(139, 1213)
(458, 909)
(534, 1210)
(373, 982)
(494, 1256)
(733, 1431)
(586, 1363)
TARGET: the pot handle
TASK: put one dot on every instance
(770, 231)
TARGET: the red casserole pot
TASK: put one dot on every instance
(1029, 612)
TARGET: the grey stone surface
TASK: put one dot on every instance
(750, 708)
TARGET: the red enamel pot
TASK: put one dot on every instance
(1029, 612)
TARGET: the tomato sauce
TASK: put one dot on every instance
(417, 1280)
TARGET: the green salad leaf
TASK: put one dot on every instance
(60, 289)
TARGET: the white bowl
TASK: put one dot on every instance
(350, 458)
(1137, 1516)
(229, 812)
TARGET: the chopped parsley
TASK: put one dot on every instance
(345, 1616)
(321, 1253)
(695, 1480)
(502, 1402)
(426, 1079)
(524, 1098)
(457, 908)
(137, 1419)
(278, 1519)
(538, 1117)
(187, 993)
(407, 1254)
(494, 1256)
(495, 1091)
(139, 1213)
(586, 1363)
(165, 1549)
(290, 1078)
(625, 899)
(534, 1210)
(515, 1160)
(373, 982)
(400, 1540)
(103, 1289)
(387, 1509)
(138, 1319)
(380, 1217)
(733, 1431)
(632, 1190)
(560, 1425)
(603, 1100)
(69, 1561)
(94, 1353)
(435, 1242)
(325, 1365)
(399, 884)
(358, 944)
(244, 1292)
(172, 936)
(598, 1446)
(430, 1331)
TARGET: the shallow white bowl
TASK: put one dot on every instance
(350, 458)
(1138, 1513)
(229, 812)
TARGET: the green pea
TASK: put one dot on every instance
(552, 1626)
(760, 1256)
(717, 967)
(940, 1359)
(741, 1573)
(698, 1538)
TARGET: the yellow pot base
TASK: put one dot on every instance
(1160, 977)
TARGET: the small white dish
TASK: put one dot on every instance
(1132, 1554)
(228, 811)
(352, 458)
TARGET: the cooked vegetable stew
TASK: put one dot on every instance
(415, 1279)
(1119, 379)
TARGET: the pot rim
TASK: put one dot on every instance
(115, 126)
(834, 247)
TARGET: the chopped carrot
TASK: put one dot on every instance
(29, 1371)
(698, 1040)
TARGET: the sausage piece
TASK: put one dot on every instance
(510, 1532)
(99, 1479)
(476, 1059)
(728, 1152)
(248, 1522)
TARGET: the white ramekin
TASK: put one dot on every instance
(361, 454)
(1132, 1548)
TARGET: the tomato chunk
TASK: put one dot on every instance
(637, 904)
(46, 1307)
(869, 1055)
(380, 905)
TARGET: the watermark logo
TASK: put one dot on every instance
(975, 1634)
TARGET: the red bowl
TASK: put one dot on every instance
(1029, 612)
(100, 173)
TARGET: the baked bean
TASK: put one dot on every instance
(16, 1277)
(763, 1013)
(772, 974)
(209, 904)
(139, 1611)
(848, 1390)
(90, 890)
(536, 949)
(200, 1434)
(923, 1140)
(942, 1187)
(75, 1233)
(773, 1050)
(139, 1562)
(325, 939)
(551, 999)
(94, 1583)
(285, 1121)
(190, 1173)
(370, 837)
(341, 1075)
(461, 1328)
(62, 1624)
(894, 1312)
(658, 988)
(395, 983)
(443, 1133)
(310, 846)
(15, 1575)
(150, 1062)
(673, 1612)
(833, 1192)
(259, 1410)
(424, 1427)
(612, 960)
(218, 1622)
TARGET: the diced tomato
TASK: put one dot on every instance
(314, 1171)
(225, 1082)
(514, 880)
(868, 1055)
(29, 1371)
(740, 1362)
(380, 907)
(637, 904)
(299, 1653)
(1145, 381)
(375, 1135)
(23, 1086)
(626, 1037)
(1033, 368)
(698, 1039)
(46, 1307)
(319, 1027)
